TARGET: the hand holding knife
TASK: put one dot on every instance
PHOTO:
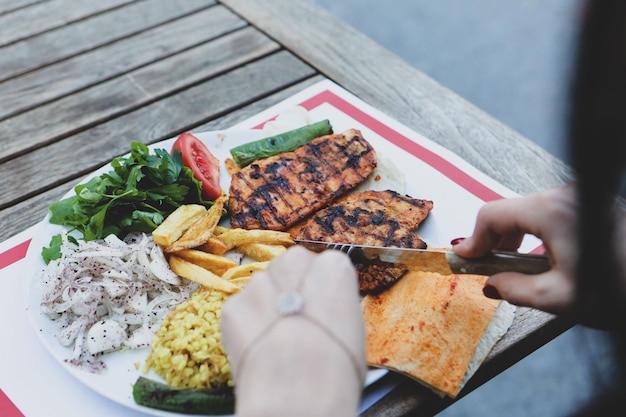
(442, 261)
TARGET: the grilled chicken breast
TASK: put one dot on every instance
(276, 192)
(376, 218)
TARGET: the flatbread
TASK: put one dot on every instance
(430, 326)
(498, 326)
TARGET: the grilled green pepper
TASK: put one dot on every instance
(205, 401)
(283, 142)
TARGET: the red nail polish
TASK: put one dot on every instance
(457, 240)
(491, 292)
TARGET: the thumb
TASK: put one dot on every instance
(551, 291)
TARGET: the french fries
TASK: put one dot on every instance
(241, 281)
(214, 245)
(214, 263)
(197, 247)
(262, 251)
(174, 225)
(201, 275)
(238, 237)
(244, 270)
(202, 229)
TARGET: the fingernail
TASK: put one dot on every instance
(491, 292)
(457, 240)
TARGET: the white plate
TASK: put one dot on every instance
(123, 367)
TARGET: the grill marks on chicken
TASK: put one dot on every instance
(376, 218)
(277, 192)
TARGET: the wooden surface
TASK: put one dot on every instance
(81, 79)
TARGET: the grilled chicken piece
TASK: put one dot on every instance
(276, 192)
(376, 218)
(376, 276)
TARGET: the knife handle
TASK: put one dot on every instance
(497, 262)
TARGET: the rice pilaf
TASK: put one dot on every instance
(187, 349)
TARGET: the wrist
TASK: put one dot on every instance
(310, 377)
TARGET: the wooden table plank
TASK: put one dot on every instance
(390, 84)
(27, 213)
(7, 6)
(93, 67)
(88, 34)
(50, 15)
(60, 118)
(45, 167)
(257, 106)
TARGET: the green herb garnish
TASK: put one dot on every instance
(135, 196)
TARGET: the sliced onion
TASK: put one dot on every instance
(113, 287)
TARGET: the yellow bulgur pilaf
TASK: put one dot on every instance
(187, 350)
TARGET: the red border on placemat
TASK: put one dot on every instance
(436, 161)
(328, 97)
(7, 407)
(14, 254)
(431, 158)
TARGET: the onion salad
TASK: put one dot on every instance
(109, 294)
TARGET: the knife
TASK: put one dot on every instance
(442, 261)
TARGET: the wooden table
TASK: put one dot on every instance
(78, 78)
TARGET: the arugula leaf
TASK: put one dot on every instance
(54, 250)
(135, 196)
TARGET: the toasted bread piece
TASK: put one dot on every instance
(428, 326)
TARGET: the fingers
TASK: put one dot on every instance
(288, 270)
(552, 292)
(499, 225)
(328, 284)
(246, 315)
(332, 295)
(331, 284)
(549, 215)
(502, 224)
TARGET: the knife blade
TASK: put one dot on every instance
(442, 261)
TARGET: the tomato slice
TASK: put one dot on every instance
(203, 164)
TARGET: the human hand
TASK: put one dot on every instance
(549, 215)
(309, 363)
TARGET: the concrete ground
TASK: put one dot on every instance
(512, 59)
